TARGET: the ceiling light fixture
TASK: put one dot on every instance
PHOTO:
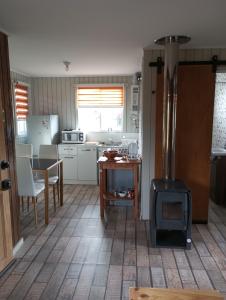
(66, 64)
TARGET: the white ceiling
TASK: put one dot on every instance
(102, 36)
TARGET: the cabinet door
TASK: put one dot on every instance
(70, 167)
(87, 164)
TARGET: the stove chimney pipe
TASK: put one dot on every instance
(171, 44)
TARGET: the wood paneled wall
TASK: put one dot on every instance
(148, 108)
(56, 95)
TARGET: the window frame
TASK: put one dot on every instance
(124, 116)
(29, 106)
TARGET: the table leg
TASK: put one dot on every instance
(101, 173)
(46, 197)
(136, 204)
(61, 185)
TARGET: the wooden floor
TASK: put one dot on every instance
(77, 256)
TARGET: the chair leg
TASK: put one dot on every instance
(54, 197)
(58, 191)
(28, 203)
(34, 201)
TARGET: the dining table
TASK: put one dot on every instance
(43, 166)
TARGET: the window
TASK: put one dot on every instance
(100, 108)
(21, 99)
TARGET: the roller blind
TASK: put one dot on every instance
(112, 96)
(21, 96)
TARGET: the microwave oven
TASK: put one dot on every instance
(72, 137)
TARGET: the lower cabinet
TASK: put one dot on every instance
(79, 163)
(87, 164)
(69, 167)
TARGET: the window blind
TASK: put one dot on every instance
(112, 96)
(21, 96)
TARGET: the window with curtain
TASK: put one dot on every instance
(100, 108)
(21, 103)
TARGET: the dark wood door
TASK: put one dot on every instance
(196, 86)
(8, 127)
(5, 215)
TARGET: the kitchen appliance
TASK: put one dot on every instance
(69, 154)
(171, 210)
(42, 130)
(133, 151)
(72, 137)
(87, 163)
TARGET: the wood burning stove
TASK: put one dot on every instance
(171, 214)
(171, 200)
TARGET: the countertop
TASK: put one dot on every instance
(218, 152)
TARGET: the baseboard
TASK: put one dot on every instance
(18, 246)
(10, 264)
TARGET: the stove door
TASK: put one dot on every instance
(171, 210)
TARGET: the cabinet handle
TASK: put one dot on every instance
(86, 150)
(71, 157)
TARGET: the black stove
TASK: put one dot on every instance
(171, 213)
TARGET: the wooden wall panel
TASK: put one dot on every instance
(9, 134)
(194, 133)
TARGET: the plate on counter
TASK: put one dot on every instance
(117, 158)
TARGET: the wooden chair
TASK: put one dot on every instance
(26, 185)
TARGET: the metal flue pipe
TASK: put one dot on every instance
(171, 44)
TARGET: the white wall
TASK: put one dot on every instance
(219, 117)
(148, 111)
(56, 95)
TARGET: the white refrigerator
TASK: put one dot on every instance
(42, 130)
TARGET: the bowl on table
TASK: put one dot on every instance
(110, 154)
(122, 194)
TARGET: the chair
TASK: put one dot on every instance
(51, 152)
(26, 185)
(24, 150)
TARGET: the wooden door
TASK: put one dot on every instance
(5, 217)
(7, 107)
(7, 197)
(196, 86)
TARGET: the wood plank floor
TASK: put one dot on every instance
(77, 256)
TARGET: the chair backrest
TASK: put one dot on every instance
(25, 179)
(51, 152)
(24, 150)
(48, 151)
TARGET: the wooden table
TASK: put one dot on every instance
(43, 166)
(172, 294)
(105, 196)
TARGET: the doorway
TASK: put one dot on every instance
(218, 153)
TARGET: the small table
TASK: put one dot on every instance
(104, 165)
(43, 166)
(171, 294)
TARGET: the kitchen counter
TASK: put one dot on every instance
(218, 152)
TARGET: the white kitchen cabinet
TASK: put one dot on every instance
(69, 155)
(69, 168)
(79, 163)
(87, 164)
